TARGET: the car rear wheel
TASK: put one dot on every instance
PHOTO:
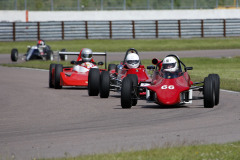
(58, 70)
(93, 82)
(216, 80)
(104, 84)
(51, 84)
(63, 57)
(49, 55)
(209, 94)
(111, 67)
(134, 80)
(14, 55)
(126, 93)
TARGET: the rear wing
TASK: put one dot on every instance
(77, 53)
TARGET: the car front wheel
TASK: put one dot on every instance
(209, 94)
(104, 84)
(93, 82)
(58, 70)
(14, 55)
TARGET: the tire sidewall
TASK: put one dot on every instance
(93, 82)
(58, 70)
(209, 94)
(14, 55)
(51, 84)
(126, 93)
(216, 81)
(104, 84)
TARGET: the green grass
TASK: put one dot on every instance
(123, 45)
(228, 151)
(227, 68)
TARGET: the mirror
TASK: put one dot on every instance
(188, 68)
(73, 62)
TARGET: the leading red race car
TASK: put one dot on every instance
(171, 85)
(76, 75)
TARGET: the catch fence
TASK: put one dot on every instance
(144, 29)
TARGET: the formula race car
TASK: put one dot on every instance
(76, 75)
(171, 85)
(40, 51)
(112, 79)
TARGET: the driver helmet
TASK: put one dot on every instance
(170, 64)
(132, 60)
(40, 43)
(86, 55)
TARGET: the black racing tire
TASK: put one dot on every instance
(14, 55)
(58, 70)
(104, 84)
(209, 94)
(49, 55)
(126, 93)
(111, 67)
(134, 79)
(93, 82)
(51, 84)
(63, 57)
(216, 80)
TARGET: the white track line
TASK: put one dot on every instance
(31, 68)
(230, 91)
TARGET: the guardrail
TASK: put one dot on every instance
(18, 31)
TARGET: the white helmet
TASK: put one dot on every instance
(40, 43)
(86, 55)
(170, 64)
(132, 60)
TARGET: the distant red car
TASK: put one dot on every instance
(76, 75)
(169, 89)
(111, 80)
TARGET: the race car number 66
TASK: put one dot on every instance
(167, 87)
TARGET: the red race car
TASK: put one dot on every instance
(76, 75)
(171, 85)
(112, 79)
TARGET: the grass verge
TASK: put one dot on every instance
(228, 151)
(123, 45)
(227, 68)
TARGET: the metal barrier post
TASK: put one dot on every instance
(179, 29)
(224, 27)
(86, 29)
(62, 30)
(110, 29)
(202, 28)
(14, 32)
(38, 30)
(133, 29)
(156, 22)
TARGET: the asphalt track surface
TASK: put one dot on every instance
(38, 122)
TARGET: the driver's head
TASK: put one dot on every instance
(40, 43)
(132, 60)
(170, 64)
(86, 55)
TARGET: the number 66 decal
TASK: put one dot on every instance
(167, 87)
